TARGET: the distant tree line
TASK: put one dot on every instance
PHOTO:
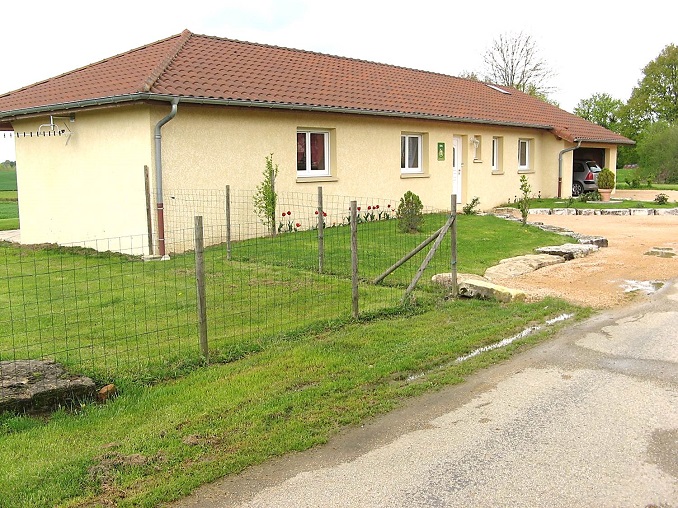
(8, 166)
(649, 117)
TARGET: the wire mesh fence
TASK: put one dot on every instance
(108, 314)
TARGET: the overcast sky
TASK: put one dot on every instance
(598, 46)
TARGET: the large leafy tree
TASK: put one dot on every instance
(656, 96)
(648, 114)
(513, 60)
(601, 109)
(658, 152)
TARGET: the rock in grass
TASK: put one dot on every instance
(520, 265)
(569, 250)
(486, 290)
(475, 286)
(36, 385)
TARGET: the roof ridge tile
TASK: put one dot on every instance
(155, 74)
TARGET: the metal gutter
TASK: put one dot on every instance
(120, 99)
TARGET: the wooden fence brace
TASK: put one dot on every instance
(228, 222)
(429, 256)
(354, 260)
(200, 285)
(407, 257)
(321, 232)
(453, 249)
(149, 220)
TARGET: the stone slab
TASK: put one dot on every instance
(569, 250)
(599, 241)
(615, 211)
(661, 252)
(641, 211)
(520, 265)
(475, 286)
(40, 385)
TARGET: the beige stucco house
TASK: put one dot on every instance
(97, 147)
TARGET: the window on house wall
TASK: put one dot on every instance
(313, 153)
(410, 153)
(496, 154)
(524, 154)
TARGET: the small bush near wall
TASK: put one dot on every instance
(409, 213)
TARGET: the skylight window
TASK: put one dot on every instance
(494, 87)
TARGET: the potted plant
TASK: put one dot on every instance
(605, 184)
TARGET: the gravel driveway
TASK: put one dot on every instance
(607, 278)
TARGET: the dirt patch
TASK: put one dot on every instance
(613, 275)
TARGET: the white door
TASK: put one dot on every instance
(457, 164)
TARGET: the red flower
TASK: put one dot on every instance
(358, 208)
(298, 225)
(324, 214)
(389, 206)
(289, 213)
(369, 208)
(284, 215)
(376, 207)
(316, 212)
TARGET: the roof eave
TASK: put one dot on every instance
(136, 97)
(606, 141)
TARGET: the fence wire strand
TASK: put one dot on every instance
(98, 308)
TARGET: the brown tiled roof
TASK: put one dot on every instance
(199, 68)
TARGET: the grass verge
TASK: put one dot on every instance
(579, 205)
(157, 443)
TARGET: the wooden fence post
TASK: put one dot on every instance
(149, 220)
(321, 232)
(228, 222)
(453, 254)
(200, 286)
(354, 259)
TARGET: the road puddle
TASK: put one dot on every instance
(509, 340)
(645, 286)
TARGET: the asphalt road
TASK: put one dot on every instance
(589, 418)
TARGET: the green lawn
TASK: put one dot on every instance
(113, 316)
(616, 204)
(155, 444)
(9, 207)
(295, 368)
(629, 175)
(8, 180)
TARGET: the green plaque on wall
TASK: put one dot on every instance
(441, 151)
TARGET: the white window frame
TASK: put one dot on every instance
(496, 159)
(526, 143)
(308, 172)
(420, 141)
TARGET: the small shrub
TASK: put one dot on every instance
(661, 199)
(606, 179)
(524, 199)
(585, 197)
(472, 207)
(265, 198)
(633, 183)
(409, 213)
